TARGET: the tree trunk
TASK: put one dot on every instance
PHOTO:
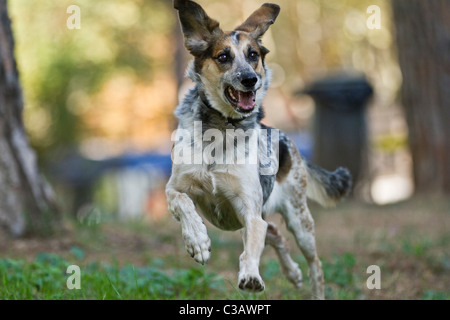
(423, 41)
(26, 204)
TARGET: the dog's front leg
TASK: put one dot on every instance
(254, 235)
(193, 228)
(241, 187)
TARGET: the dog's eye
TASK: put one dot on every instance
(223, 58)
(253, 56)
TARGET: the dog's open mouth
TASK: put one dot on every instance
(242, 101)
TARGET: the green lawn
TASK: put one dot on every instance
(46, 277)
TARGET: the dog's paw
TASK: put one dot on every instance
(198, 245)
(252, 283)
(293, 273)
(295, 277)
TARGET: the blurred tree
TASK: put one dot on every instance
(423, 30)
(25, 198)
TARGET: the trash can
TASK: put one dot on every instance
(340, 131)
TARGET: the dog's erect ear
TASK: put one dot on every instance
(260, 20)
(199, 29)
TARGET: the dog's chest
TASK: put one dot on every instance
(216, 193)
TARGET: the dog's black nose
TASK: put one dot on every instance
(249, 82)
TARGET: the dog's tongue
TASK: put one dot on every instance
(246, 100)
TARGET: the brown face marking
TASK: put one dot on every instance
(229, 44)
(250, 45)
(223, 46)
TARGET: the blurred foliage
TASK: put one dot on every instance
(111, 86)
(64, 72)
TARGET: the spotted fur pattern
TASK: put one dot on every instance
(231, 81)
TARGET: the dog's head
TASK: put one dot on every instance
(229, 66)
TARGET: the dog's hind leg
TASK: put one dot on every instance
(301, 224)
(193, 228)
(289, 267)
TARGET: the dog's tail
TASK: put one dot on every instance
(325, 187)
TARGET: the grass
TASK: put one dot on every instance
(46, 278)
(141, 260)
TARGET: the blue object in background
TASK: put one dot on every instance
(78, 171)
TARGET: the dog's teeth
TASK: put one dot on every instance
(231, 94)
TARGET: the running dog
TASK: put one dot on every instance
(231, 80)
